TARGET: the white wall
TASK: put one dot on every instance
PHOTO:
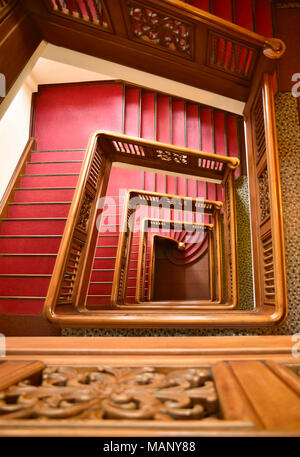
(14, 132)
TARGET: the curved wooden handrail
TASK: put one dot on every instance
(69, 280)
(273, 48)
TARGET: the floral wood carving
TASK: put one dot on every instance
(84, 213)
(112, 393)
(159, 29)
(264, 199)
(169, 156)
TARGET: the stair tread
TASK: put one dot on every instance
(30, 236)
(30, 275)
(57, 150)
(20, 297)
(54, 161)
(27, 255)
(45, 188)
(34, 218)
(39, 203)
(49, 174)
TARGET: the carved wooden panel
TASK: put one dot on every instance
(159, 29)
(228, 396)
(264, 199)
(103, 393)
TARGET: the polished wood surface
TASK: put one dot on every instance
(187, 386)
(117, 35)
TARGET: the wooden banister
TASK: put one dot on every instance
(216, 52)
(81, 232)
(14, 182)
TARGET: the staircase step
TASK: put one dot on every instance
(34, 226)
(94, 301)
(34, 244)
(178, 123)
(44, 194)
(28, 264)
(50, 209)
(55, 180)
(106, 251)
(21, 305)
(148, 124)
(100, 289)
(222, 9)
(108, 239)
(56, 156)
(102, 275)
(163, 120)
(71, 166)
(24, 285)
(193, 126)
(132, 119)
(104, 263)
(244, 14)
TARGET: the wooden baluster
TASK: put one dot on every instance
(58, 5)
(98, 12)
(88, 10)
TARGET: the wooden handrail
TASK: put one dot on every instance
(178, 28)
(14, 181)
(135, 198)
(69, 281)
(273, 48)
(103, 147)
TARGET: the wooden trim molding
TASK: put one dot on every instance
(221, 386)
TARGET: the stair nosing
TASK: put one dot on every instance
(45, 188)
(57, 150)
(26, 255)
(24, 275)
(20, 297)
(30, 236)
(6, 219)
(54, 161)
(48, 174)
(39, 203)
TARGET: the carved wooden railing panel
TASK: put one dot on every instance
(161, 224)
(133, 199)
(214, 395)
(264, 182)
(90, 12)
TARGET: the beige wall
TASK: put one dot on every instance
(14, 132)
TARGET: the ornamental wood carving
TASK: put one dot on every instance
(264, 199)
(100, 393)
(159, 29)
